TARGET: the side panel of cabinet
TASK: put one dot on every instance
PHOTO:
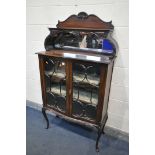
(42, 79)
(102, 86)
(107, 90)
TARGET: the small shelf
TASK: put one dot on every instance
(56, 90)
(76, 78)
(55, 74)
(85, 96)
(90, 82)
(56, 78)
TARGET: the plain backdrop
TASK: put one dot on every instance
(13, 77)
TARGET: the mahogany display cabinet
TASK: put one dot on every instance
(76, 70)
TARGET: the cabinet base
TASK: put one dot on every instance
(100, 127)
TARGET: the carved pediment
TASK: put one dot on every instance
(85, 21)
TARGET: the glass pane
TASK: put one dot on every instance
(55, 78)
(85, 90)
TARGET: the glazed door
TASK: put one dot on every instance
(55, 80)
(86, 79)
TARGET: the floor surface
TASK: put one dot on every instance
(64, 138)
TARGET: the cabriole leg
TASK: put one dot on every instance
(100, 132)
(45, 116)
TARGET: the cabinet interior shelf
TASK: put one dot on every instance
(77, 80)
(84, 96)
(52, 74)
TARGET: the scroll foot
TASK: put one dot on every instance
(98, 138)
(45, 116)
(100, 131)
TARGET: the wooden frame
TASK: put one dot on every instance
(85, 21)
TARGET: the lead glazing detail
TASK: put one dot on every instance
(85, 90)
(55, 78)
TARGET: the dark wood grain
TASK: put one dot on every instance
(107, 89)
(69, 89)
(102, 86)
(84, 21)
